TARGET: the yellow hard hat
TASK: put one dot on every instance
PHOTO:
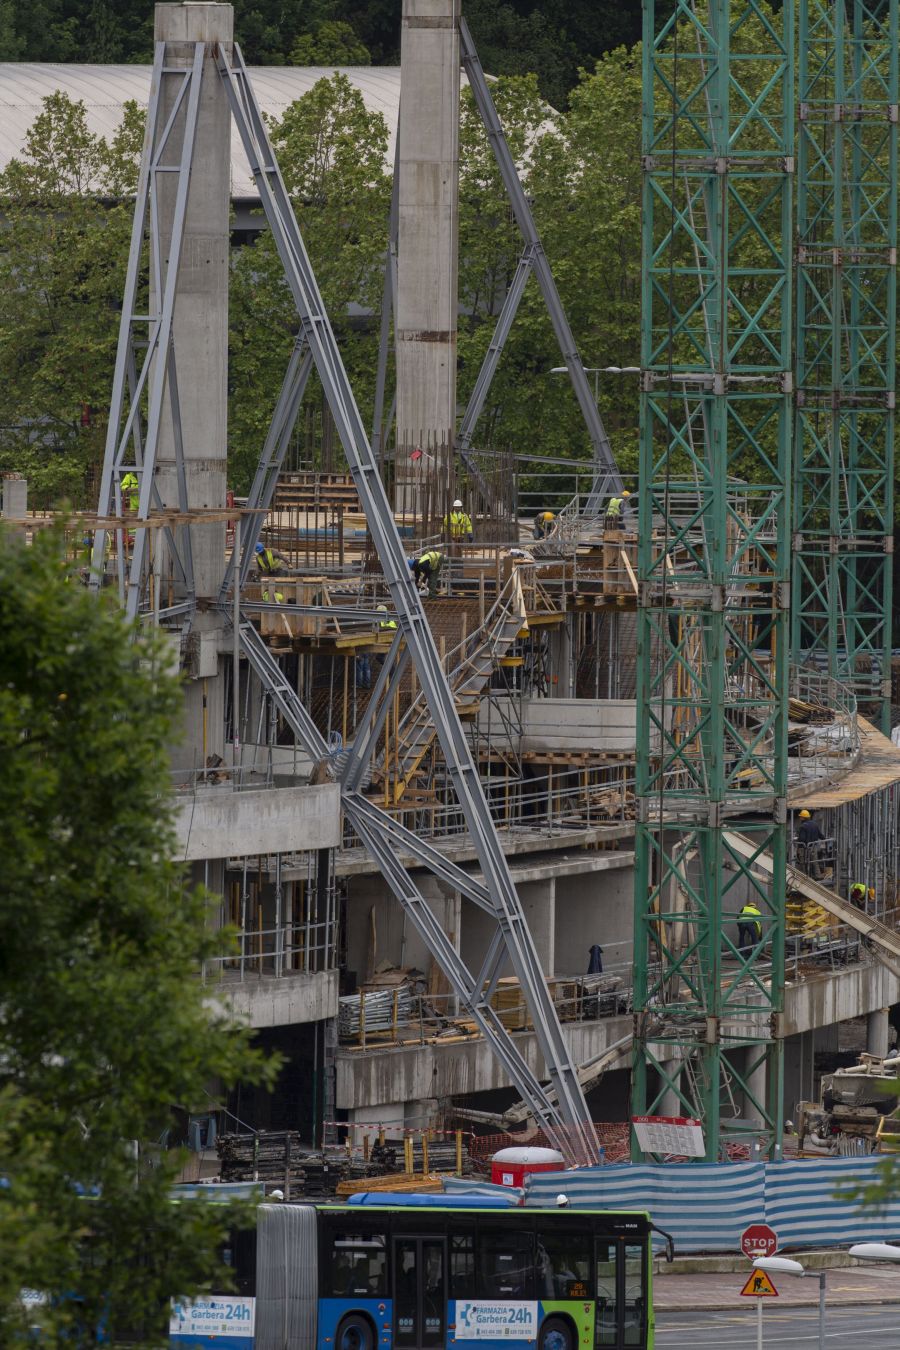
(626, 493)
(872, 892)
(804, 815)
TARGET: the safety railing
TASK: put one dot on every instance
(831, 745)
(549, 803)
(404, 1016)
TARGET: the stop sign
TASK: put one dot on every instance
(759, 1240)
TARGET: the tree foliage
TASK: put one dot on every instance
(63, 250)
(105, 1022)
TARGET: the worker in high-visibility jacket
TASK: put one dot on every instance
(749, 928)
(859, 892)
(428, 568)
(614, 510)
(131, 491)
(543, 524)
(458, 524)
(269, 560)
(385, 625)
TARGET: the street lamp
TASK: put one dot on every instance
(599, 370)
(783, 1265)
(875, 1251)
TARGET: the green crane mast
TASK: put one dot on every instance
(714, 563)
(846, 351)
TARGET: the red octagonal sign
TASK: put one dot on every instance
(759, 1240)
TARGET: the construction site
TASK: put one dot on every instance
(486, 755)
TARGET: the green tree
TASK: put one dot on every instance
(332, 43)
(63, 252)
(332, 154)
(105, 1022)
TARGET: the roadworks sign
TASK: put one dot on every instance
(759, 1286)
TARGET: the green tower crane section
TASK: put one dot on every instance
(846, 344)
(714, 564)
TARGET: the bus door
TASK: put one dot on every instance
(621, 1285)
(420, 1293)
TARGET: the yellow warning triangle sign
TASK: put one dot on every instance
(759, 1285)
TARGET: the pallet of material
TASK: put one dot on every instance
(397, 1181)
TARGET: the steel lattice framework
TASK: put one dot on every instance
(145, 389)
(846, 343)
(713, 563)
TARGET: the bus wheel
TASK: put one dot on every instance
(355, 1333)
(556, 1334)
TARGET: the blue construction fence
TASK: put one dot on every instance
(706, 1206)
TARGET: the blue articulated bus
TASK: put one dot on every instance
(414, 1272)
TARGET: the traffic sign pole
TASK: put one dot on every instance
(759, 1344)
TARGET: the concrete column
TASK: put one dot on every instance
(877, 1031)
(427, 244)
(200, 336)
(15, 497)
(671, 1104)
(539, 906)
(756, 1083)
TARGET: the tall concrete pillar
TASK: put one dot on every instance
(756, 1084)
(877, 1033)
(427, 244)
(200, 336)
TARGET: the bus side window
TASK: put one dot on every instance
(357, 1268)
(563, 1265)
(462, 1266)
(505, 1263)
(605, 1326)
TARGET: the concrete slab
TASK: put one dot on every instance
(219, 823)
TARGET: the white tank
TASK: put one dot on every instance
(528, 1155)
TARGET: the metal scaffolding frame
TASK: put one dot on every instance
(713, 564)
(563, 1114)
(846, 346)
(145, 377)
(512, 941)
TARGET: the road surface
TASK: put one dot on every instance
(847, 1328)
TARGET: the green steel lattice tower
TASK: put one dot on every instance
(846, 344)
(714, 561)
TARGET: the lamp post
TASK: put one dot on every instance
(875, 1251)
(783, 1265)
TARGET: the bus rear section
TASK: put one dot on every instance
(391, 1276)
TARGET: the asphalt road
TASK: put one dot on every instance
(854, 1328)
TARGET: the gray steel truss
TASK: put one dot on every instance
(142, 387)
(607, 480)
(567, 1122)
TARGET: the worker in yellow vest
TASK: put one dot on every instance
(131, 491)
(385, 625)
(749, 928)
(428, 568)
(614, 510)
(269, 561)
(543, 524)
(458, 524)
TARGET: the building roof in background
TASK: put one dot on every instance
(105, 89)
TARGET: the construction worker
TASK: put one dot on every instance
(131, 491)
(277, 596)
(749, 928)
(458, 525)
(809, 845)
(269, 561)
(428, 568)
(614, 510)
(859, 893)
(385, 624)
(543, 524)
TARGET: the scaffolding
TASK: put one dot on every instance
(713, 601)
(846, 344)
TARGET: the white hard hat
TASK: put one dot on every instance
(562, 1200)
(457, 504)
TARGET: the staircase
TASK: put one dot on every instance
(476, 659)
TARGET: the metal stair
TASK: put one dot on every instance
(477, 657)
